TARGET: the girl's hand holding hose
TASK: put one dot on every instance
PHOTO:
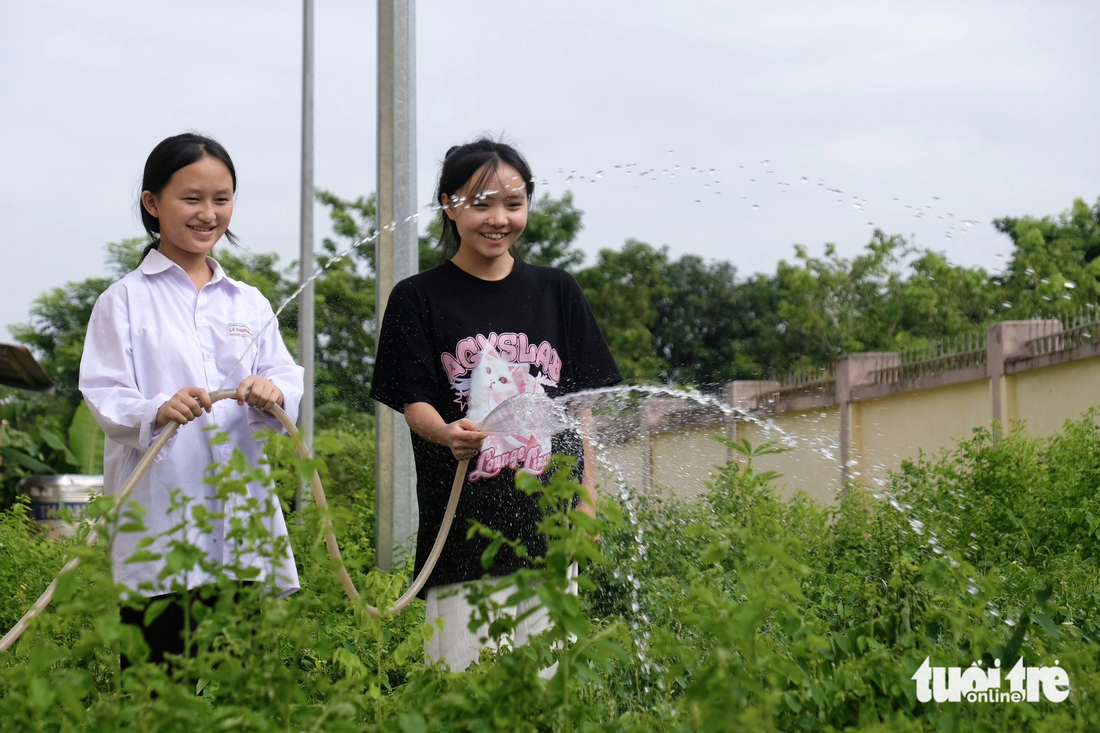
(259, 392)
(464, 438)
(184, 406)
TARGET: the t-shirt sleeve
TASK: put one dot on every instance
(591, 364)
(403, 367)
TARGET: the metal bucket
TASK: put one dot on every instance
(51, 494)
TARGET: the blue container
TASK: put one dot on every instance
(50, 495)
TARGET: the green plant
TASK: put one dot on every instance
(747, 611)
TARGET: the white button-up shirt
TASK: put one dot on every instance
(150, 335)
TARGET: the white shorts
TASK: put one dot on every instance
(458, 646)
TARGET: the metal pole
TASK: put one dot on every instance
(305, 261)
(396, 258)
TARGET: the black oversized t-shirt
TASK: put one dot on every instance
(464, 345)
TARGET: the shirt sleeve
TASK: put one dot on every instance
(274, 362)
(591, 364)
(108, 380)
(404, 370)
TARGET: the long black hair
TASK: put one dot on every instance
(461, 164)
(171, 154)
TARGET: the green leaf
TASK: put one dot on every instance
(155, 609)
(1048, 625)
(412, 723)
(58, 443)
(87, 441)
(20, 458)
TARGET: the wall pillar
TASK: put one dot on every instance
(855, 370)
(747, 395)
(1005, 341)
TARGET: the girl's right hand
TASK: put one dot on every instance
(185, 406)
(464, 438)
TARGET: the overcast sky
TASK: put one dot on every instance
(974, 109)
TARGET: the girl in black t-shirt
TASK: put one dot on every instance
(459, 339)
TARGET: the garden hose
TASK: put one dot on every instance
(318, 496)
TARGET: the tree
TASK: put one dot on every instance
(59, 323)
(1055, 267)
(940, 300)
(552, 225)
(832, 306)
(701, 323)
(345, 308)
(621, 289)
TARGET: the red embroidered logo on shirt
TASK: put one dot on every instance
(239, 329)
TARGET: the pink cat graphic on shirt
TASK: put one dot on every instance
(491, 380)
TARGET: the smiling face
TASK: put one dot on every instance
(194, 209)
(491, 216)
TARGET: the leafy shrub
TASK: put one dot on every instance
(30, 562)
(740, 611)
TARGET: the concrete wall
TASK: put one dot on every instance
(1049, 396)
(618, 463)
(684, 461)
(811, 462)
(680, 463)
(887, 430)
(887, 421)
(669, 463)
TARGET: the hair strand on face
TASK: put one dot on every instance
(470, 167)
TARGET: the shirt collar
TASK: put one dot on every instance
(156, 262)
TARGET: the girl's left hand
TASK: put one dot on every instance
(259, 392)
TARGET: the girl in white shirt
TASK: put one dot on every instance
(159, 341)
